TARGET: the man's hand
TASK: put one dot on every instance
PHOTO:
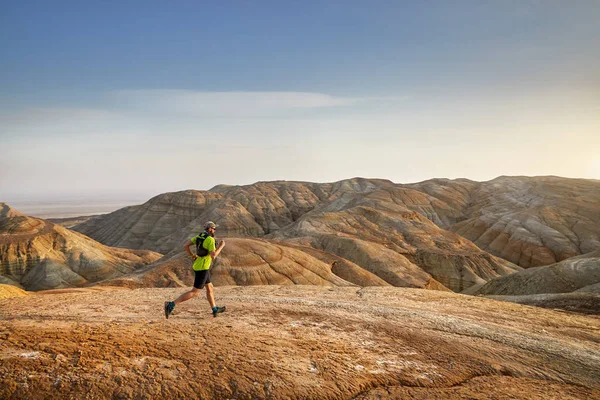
(221, 244)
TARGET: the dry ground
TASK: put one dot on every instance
(293, 342)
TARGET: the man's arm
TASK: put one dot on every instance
(187, 249)
(215, 254)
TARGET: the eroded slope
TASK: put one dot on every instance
(379, 232)
(36, 254)
(255, 262)
(580, 273)
(529, 221)
(534, 221)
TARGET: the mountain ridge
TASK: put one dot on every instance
(528, 221)
(438, 233)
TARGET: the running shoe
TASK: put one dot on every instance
(169, 307)
(217, 310)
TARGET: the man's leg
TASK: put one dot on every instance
(170, 305)
(187, 295)
(210, 295)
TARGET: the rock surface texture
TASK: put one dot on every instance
(293, 342)
(36, 254)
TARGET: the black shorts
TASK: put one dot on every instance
(202, 278)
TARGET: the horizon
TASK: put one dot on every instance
(75, 198)
(80, 206)
(127, 101)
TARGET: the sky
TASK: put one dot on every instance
(127, 100)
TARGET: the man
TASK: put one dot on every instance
(205, 245)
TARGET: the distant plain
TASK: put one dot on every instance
(71, 208)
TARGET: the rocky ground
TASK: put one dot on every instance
(293, 342)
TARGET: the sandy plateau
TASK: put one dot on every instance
(293, 342)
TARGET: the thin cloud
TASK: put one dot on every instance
(58, 121)
(228, 103)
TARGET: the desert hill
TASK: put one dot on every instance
(353, 232)
(579, 302)
(533, 221)
(36, 254)
(8, 291)
(572, 285)
(165, 221)
(380, 233)
(529, 221)
(334, 257)
(7, 211)
(146, 226)
(257, 262)
(294, 342)
(70, 222)
(581, 274)
(385, 229)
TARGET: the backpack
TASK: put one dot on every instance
(200, 250)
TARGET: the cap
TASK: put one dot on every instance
(210, 224)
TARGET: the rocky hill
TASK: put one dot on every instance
(379, 232)
(383, 228)
(579, 302)
(166, 221)
(36, 254)
(70, 222)
(529, 221)
(145, 226)
(8, 291)
(581, 274)
(533, 221)
(438, 234)
(293, 342)
(258, 262)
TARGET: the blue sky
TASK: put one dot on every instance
(128, 99)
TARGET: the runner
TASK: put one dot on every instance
(206, 252)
